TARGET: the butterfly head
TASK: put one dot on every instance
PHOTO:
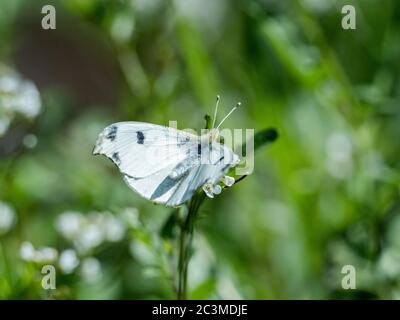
(214, 134)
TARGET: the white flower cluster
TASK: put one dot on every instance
(87, 232)
(67, 261)
(7, 217)
(339, 151)
(17, 96)
(41, 255)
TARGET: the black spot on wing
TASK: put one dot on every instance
(112, 133)
(140, 137)
(199, 149)
(116, 159)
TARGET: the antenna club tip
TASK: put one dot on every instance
(218, 97)
(239, 104)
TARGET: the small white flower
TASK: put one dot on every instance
(91, 269)
(228, 181)
(90, 236)
(217, 189)
(45, 254)
(42, 255)
(7, 217)
(69, 223)
(68, 261)
(122, 27)
(27, 251)
(19, 95)
(339, 151)
(389, 262)
(115, 230)
(87, 232)
(131, 217)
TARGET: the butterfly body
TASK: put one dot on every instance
(166, 165)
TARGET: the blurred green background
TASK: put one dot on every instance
(325, 195)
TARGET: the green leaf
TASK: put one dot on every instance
(208, 121)
(261, 138)
(265, 137)
(205, 290)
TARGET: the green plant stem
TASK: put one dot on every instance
(181, 266)
(185, 244)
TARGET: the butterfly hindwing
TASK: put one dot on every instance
(158, 187)
(204, 173)
(162, 188)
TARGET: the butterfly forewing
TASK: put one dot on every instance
(141, 149)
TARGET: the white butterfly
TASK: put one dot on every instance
(166, 165)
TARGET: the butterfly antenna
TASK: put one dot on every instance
(230, 112)
(216, 110)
